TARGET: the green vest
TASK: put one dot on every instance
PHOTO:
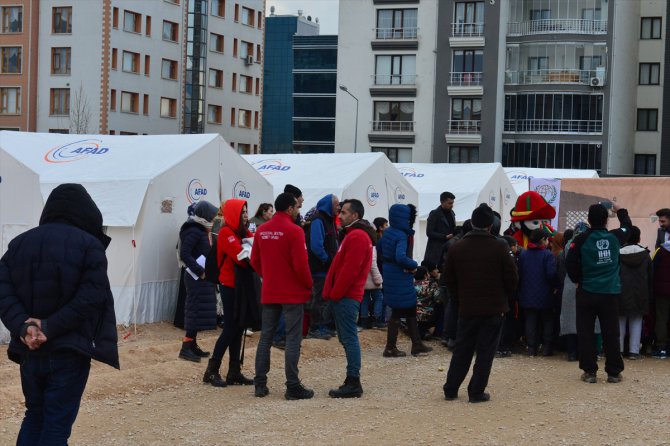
(600, 263)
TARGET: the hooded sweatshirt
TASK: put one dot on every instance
(636, 280)
(229, 242)
(322, 237)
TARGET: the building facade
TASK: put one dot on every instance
(155, 67)
(529, 83)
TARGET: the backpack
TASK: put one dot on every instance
(212, 267)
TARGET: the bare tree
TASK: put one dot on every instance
(80, 111)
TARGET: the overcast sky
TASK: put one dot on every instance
(325, 10)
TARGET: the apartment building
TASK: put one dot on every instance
(529, 83)
(152, 67)
(18, 64)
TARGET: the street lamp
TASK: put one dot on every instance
(346, 90)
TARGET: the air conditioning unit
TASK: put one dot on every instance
(249, 60)
(597, 81)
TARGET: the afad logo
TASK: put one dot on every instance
(240, 191)
(507, 197)
(75, 151)
(195, 191)
(269, 166)
(518, 176)
(372, 196)
(410, 172)
(399, 195)
(493, 199)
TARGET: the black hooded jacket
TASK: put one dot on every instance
(57, 272)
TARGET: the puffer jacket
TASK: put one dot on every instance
(57, 272)
(374, 280)
(538, 277)
(397, 266)
(229, 243)
(200, 304)
(636, 281)
(321, 237)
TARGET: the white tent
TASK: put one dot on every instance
(142, 185)
(520, 176)
(472, 184)
(369, 177)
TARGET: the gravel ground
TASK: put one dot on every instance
(159, 400)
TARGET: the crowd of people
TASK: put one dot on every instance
(331, 273)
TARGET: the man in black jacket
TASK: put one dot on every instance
(440, 228)
(56, 301)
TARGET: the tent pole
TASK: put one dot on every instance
(134, 286)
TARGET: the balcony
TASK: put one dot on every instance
(394, 79)
(466, 35)
(553, 126)
(464, 131)
(555, 76)
(393, 85)
(406, 38)
(465, 83)
(557, 26)
(392, 132)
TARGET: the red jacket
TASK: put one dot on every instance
(350, 268)
(229, 243)
(279, 256)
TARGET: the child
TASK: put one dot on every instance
(427, 291)
(537, 281)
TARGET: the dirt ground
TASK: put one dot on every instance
(157, 399)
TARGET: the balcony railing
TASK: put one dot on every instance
(464, 127)
(553, 76)
(396, 33)
(467, 29)
(465, 79)
(394, 79)
(392, 126)
(557, 26)
(553, 125)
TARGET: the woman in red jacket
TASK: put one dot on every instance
(229, 245)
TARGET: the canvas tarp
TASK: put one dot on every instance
(520, 176)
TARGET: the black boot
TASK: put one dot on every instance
(187, 352)
(418, 347)
(212, 375)
(350, 389)
(366, 323)
(235, 375)
(391, 351)
(198, 351)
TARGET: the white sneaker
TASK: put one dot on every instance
(248, 332)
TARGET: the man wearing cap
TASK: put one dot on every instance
(480, 274)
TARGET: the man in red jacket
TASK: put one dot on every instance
(279, 256)
(344, 287)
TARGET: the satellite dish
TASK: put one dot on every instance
(316, 20)
(309, 18)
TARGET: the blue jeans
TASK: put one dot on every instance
(376, 298)
(53, 385)
(345, 311)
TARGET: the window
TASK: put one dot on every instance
(468, 19)
(61, 131)
(554, 113)
(258, 86)
(650, 28)
(246, 49)
(147, 65)
(115, 53)
(216, 42)
(244, 118)
(232, 117)
(215, 78)
(234, 47)
(169, 69)
(12, 19)
(396, 24)
(256, 116)
(243, 148)
(395, 70)
(645, 165)
(237, 12)
(214, 113)
(132, 22)
(393, 116)
(145, 108)
(60, 60)
(168, 108)
(260, 19)
(130, 102)
(112, 100)
(647, 119)
(246, 84)
(395, 154)
(219, 8)
(258, 53)
(234, 82)
(466, 109)
(59, 101)
(467, 61)
(247, 16)
(10, 100)
(147, 28)
(650, 73)
(130, 62)
(61, 20)
(115, 18)
(11, 59)
(170, 31)
(552, 155)
(464, 154)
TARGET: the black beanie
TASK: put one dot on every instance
(206, 210)
(482, 217)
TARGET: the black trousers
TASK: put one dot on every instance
(604, 307)
(533, 319)
(475, 334)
